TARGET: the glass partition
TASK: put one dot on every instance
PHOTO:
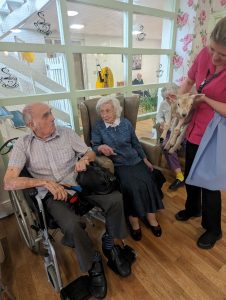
(150, 69)
(30, 22)
(152, 32)
(159, 4)
(95, 26)
(14, 126)
(99, 71)
(29, 73)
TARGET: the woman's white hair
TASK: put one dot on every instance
(110, 99)
(171, 88)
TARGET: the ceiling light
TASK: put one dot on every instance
(72, 13)
(16, 30)
(77, 26)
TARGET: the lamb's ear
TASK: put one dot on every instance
(172, 97)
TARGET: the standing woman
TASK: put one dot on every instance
(208, 73)
(115, 137)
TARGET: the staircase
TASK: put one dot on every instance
(30, 81)
(13, 13)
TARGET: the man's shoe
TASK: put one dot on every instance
(183, 215)
(117, 261)
(176, 184)
(97, 280)
(207, 240)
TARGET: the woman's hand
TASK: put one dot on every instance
(148, 164)
(58, 191)
(106, 150)
(198, 98)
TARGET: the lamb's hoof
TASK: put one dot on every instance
(167, 147)
(171, 150)
(161, 140)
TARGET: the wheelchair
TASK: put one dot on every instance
(35, 225)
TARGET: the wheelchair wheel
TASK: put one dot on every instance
(25, 220)
(52, 276)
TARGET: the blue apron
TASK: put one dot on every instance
(209, 166)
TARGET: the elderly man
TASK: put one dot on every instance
(51, 155)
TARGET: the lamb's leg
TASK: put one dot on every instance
(168, 144)
(176, 132)
(164, 133)
(179, 140)
(166, 127)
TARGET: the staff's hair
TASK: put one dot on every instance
(110, 99)
(218, 35)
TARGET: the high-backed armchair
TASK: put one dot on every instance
(130, 107)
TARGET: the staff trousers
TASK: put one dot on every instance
(202, 200)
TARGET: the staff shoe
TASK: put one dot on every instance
(97, 280)
(184, 215)
(207, 240)
(176, 184)
(117, 261)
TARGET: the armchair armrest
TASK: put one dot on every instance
(153, 152)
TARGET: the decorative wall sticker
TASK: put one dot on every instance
(159, 72)
(41, 25)
(8, 81)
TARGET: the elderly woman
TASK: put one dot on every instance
(115, 137)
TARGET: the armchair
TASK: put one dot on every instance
(130, 107)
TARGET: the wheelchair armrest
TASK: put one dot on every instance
(32, 192)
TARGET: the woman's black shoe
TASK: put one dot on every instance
(136, 234)
(156, 230)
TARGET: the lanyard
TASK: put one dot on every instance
(206, 81)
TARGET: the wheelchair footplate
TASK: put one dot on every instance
(76, 290)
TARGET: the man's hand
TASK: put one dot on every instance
(58, 191)
(148, 164)
(81, 164)
(106, 150)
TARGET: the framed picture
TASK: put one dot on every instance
(137, 62)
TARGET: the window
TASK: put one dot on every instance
(76, 50)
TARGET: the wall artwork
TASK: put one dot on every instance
(137, 62)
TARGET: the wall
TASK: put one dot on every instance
(192, 32)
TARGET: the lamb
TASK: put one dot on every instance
(179, 118)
